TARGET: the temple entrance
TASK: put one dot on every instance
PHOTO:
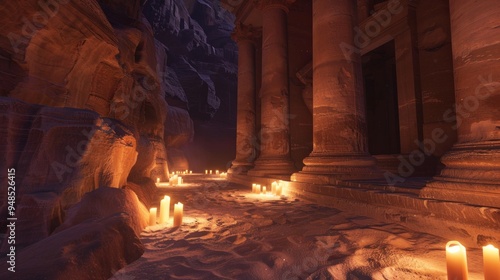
(380, 85)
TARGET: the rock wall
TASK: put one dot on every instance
(197, 67)
(82, 108)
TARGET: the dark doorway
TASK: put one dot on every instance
(379, 74)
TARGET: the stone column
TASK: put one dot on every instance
(339, 126)
(472, 167)
(274, 159)
(363, 9)
(246, 139)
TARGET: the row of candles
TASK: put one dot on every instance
(221, 174)
(456, 262)
(165, 213)
(173, 180)
(276, 188)
(185, 172)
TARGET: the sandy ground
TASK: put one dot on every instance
(230, 233)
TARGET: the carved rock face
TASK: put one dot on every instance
(79, 91)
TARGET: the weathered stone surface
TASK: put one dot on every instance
(472, 167)
(274, 158)
(339, 132)
(179, 131)
(176, 25)
(59, 155)
(197, 67)
(95, 65)
(146, 191)
(105, 202)
(93, 249)
(245, 135)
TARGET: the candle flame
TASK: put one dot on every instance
(454, 248)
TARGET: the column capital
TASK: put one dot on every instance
(266, 4)
(244, 32)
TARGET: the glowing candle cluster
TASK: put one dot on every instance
(165, 213)
(175, 180)
(456, 262)
(217, 172)
(276, 188)
(255, 188)
(185, 172)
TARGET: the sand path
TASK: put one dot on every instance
(230, 233)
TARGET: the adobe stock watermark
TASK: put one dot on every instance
(309, 264)
(427, 147)
(378, 21)
(48, 9)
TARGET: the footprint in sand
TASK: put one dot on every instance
(226, 221)
(262, 222)
(244, 227)
(236, 239)
(281, 220)
(248, 248)
(298, 239)
(200, 235)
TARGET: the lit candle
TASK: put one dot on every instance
(157, 180)
(179, 180)
(456, 261)
(206, 171)
(253, 188)
(164, 209)
(210, 171)
(178, 209)
(264, 191)
(274, 187)
(190, 171)
(152, 216)
(257, 188)
(491, 262)
(217, 172)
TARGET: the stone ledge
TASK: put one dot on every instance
(471, 224)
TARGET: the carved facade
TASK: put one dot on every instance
(372, 91)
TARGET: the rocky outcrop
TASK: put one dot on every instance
(105, 202)
(88, 250)
(81, 105)
(84, 90)
(197, 66)
(105, 61)
(59, 155)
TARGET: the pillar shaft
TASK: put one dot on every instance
(246, 139)
(472, 172)
(339, 126)
(363, 9)
(274, 156)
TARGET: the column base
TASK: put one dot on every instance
(329, 169)
(471, 175)
(273, 167)
(240, 167)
